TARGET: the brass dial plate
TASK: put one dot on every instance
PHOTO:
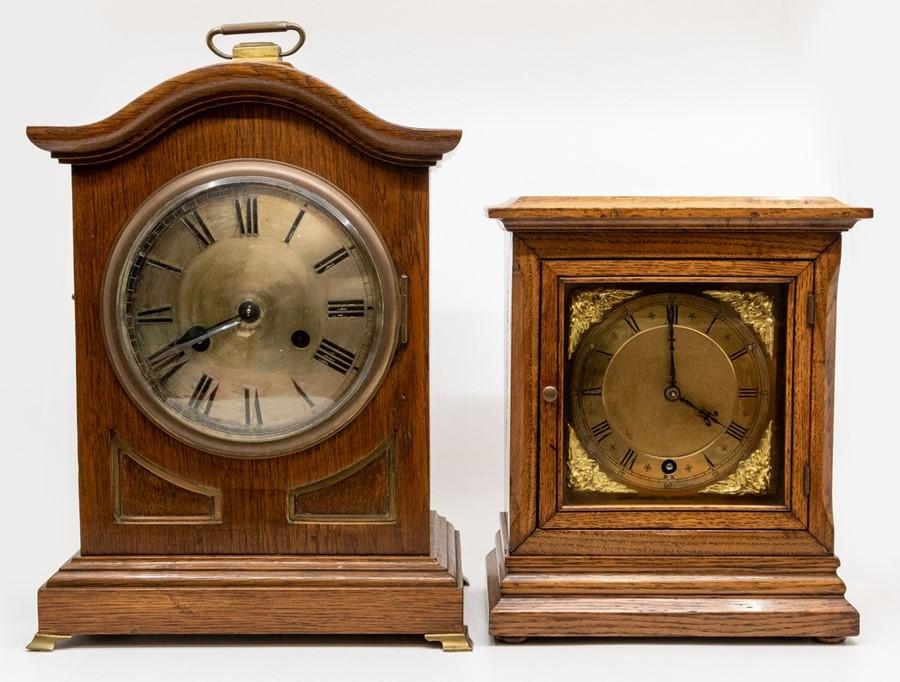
(662, 433)
(250, 308)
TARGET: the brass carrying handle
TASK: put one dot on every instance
(256, 27)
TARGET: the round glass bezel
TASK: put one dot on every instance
(328, 198)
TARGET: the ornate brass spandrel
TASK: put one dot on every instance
(755, 308)
(588, 307)
(753, 475)
(585, 473)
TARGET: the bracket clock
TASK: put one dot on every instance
(671, 408)
(251, 312)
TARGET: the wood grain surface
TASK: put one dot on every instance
(806, 213)
(230, 545)
(690, 243)
(277, 85)
(254, 491)
(259, 594)
(821, 431)
(523, 409)
(668, 596)
(719, 569)
(256, 111)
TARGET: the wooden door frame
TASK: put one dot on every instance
(801, 526)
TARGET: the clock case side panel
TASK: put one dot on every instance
(254, 492)
(821, 431)
(525, 334)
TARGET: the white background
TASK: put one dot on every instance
(627, 97)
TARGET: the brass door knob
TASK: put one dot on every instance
(550, 394)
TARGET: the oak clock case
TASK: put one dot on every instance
(671, 397)
(251, 287)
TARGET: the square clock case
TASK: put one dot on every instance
(251, 327)
(670, 419)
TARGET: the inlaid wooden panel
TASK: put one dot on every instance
(146, 493)
(366, 492)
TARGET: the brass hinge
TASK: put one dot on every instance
(806, 479)
(810, 309)
(404, 308)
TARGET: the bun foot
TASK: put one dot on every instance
(830, 640)
(510, 640)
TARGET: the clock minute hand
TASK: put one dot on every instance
(672, 381)
(191, 337)
(709, 416)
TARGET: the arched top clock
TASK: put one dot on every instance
(251, 311)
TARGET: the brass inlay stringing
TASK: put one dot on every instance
(755, 309)
(753, 475)
(588, 307)
(120, 449)
(388, 449)
(585, 473)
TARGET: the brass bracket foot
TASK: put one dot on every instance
(452, 641)
(44, 641)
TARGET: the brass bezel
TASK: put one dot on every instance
(353, 219)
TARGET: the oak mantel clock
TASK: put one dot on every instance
(671, 408)
(251, 311)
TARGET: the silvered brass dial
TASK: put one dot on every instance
(250, 308)
(670, 391)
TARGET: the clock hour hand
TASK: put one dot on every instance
(196, 335)
(709, 416)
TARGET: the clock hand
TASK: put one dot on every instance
(196, 335)
(671, 392)
(672, 382)
(709, 416)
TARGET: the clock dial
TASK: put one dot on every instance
(670, 391)
(250, 310)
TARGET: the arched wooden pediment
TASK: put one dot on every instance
(280, 85)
